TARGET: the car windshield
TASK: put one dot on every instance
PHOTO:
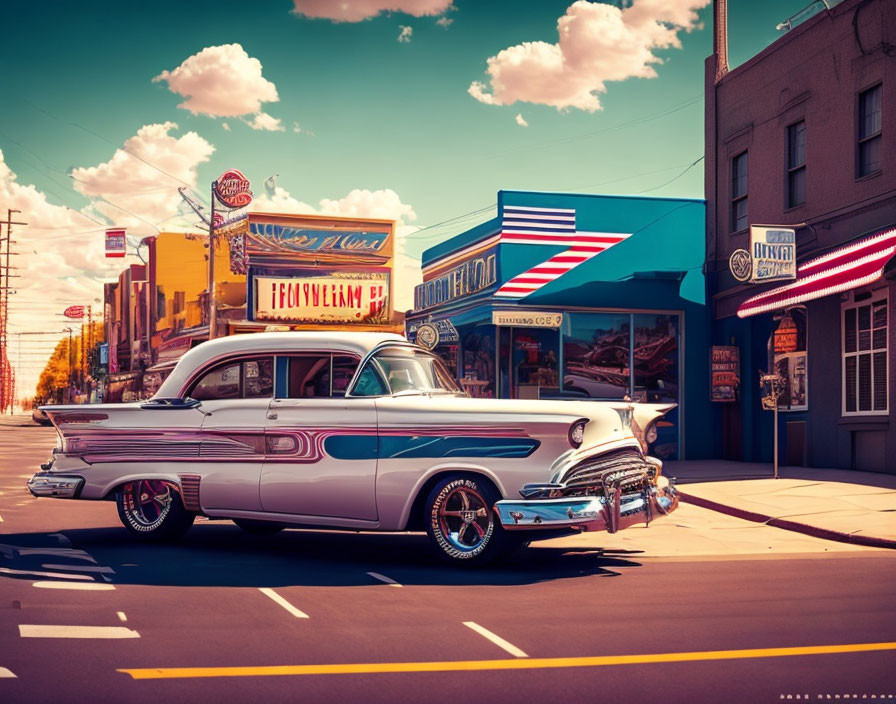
(405, 370)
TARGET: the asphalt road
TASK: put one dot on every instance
(88, 615)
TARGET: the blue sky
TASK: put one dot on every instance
(373, 113)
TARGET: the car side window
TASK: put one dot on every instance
(319, 375)
(249, 378)
(370, 383)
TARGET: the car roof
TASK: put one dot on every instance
(356, 343)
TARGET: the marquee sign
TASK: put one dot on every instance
(472, 276)
(232, 189)
(273, 238)
(348, 298)
(116, 242)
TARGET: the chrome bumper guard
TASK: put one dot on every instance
(589, 513)
(50, 484)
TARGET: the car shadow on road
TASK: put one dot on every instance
(221, 555)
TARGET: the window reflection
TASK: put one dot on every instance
(656, 358)
(596, 356)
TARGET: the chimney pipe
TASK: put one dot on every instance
(720, 37)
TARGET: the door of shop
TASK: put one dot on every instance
(529, 362)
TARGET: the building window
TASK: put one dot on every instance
(865, 356)
(869, 155)
(739, 192)
(796, 164)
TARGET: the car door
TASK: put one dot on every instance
(321, 447)
(235, 396)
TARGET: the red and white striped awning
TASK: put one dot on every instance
(856, 264)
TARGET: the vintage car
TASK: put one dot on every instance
(358, 431)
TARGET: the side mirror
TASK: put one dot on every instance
(158, 404)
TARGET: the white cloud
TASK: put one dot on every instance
(359, 10)
(221, 81)
(597, 43)
(225, 126)
(406, 32)
(296, 128)
(263, 121)
(444, 22)
(384, 204)
(128, 181)
(520, 120)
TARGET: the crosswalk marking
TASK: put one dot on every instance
(270, 593)
(83, 586)
(43, 631)
(497, 640)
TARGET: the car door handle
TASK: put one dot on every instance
(272, 416)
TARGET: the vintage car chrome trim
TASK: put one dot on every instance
(50, 484)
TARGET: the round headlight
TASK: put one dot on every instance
(577, 432)
(650, 435)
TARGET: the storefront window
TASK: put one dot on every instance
(478, 378)
(534, 363)
(656, 358)
(596, 355)
(788, 352)
(448, 354)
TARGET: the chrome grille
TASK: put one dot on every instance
(621, 470)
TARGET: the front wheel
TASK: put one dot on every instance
(151, 509)
(461, 521)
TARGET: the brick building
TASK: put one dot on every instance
(803, 135)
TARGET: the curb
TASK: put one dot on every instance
(784, 524)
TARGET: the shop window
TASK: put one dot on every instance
(869, 132)
(478, 378)
(796, 164)
(655, 356)
(596, 356)
(251, 378)
(865, 356)
(788, 358)
(534, 363)
(739, 183)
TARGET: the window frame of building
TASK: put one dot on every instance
(796, 169)
(875, 298)
(737, 197)
(865, 141)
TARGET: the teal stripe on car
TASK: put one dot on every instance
(362, 447)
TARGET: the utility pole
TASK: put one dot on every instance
(7, 375)
(212, 307)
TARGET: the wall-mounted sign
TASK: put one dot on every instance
(427, 336)
(526, 319)
(471, 276)
(74, 312)
(116, 242)
(789, 359)
(741, 264)
(785, 336)
(347, 298)
(725, 373)
(232, 189)
(773, 253)
(273, 238)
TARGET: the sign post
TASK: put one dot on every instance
(772, 386)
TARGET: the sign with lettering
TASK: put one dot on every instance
(472, 276)
(725, 373)
(346, 298)
(271, 238)
(526, 319)
(116, 242)
(74, 312)
(773, 253)
(232, 190)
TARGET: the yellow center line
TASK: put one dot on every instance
(514, 664)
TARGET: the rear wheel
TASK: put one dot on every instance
(151, 509)
(462, 524)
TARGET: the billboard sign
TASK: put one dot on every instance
(232, 189)
(347, 298)
(116, 242)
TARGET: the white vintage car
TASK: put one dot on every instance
(359, 431)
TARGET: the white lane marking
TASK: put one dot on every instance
(384, 578)
(83, 586)
(41, 631)
(38, 573)
(268, 592)
(497, 640)
(80, 568)
(5, 673)
(121, 614)
(61, 538)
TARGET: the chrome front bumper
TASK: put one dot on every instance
(589, 513)
(51, 484)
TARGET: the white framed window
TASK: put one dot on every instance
(865, 353)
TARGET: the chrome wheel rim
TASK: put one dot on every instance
(464, 519)
(147, 501)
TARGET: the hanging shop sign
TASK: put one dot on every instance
(232, 189)
(271, 237)
(428, 336)
(470, 277)
(725, 373)
(526, 319)
(116, 243)
(771, 257)
(74, 312)
(346, 298)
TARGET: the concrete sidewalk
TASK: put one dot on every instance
(847, 506)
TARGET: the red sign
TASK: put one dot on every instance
(725, 373)
(218, 221)
(116, 243)
(74, 312)
(232, 189)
